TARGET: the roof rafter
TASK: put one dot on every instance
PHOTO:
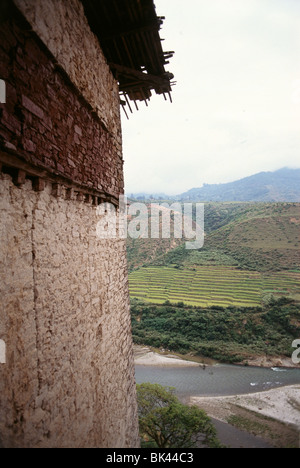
(128, 32)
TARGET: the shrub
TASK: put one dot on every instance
(169, 423)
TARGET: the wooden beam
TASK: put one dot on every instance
(56, 190)
(133, 29)
(39, 184)
(147, 78)
(20, 177)
(12, 159)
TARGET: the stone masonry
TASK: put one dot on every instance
(68, 380)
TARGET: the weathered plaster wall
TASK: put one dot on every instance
(69, 375)
(68, 380)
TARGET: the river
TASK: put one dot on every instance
(217, 380)
(221, 380)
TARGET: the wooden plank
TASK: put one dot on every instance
(39, 184)
(127, 101)
(20, 177)
(132, 30)
(159, 81)
(129, 33)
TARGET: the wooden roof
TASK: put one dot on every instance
(128, 31)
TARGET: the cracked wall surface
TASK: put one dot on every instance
(68, 379)
(65, 320)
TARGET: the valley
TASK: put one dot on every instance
(235, 299)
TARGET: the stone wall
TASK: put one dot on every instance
(64, 29)
(48, 121)
(69, 373)
(68, 380)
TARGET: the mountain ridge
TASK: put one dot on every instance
(282, 185)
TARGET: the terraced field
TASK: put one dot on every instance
(212, 286)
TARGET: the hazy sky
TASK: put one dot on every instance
(236, 105)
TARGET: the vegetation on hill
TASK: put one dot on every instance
(234, 299)
(264, 238)
(258, 237)
(205, 286)
(229, 334)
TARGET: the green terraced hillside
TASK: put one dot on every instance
(212, 286)
(260, 237)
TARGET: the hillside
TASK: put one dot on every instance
(264, 238)
(141, 252)
(257, 237)
(280, 186)
(208, 286)
(226, 334)
(233, 299)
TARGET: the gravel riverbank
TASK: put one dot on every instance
(267, 419)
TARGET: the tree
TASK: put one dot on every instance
(171, 424)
